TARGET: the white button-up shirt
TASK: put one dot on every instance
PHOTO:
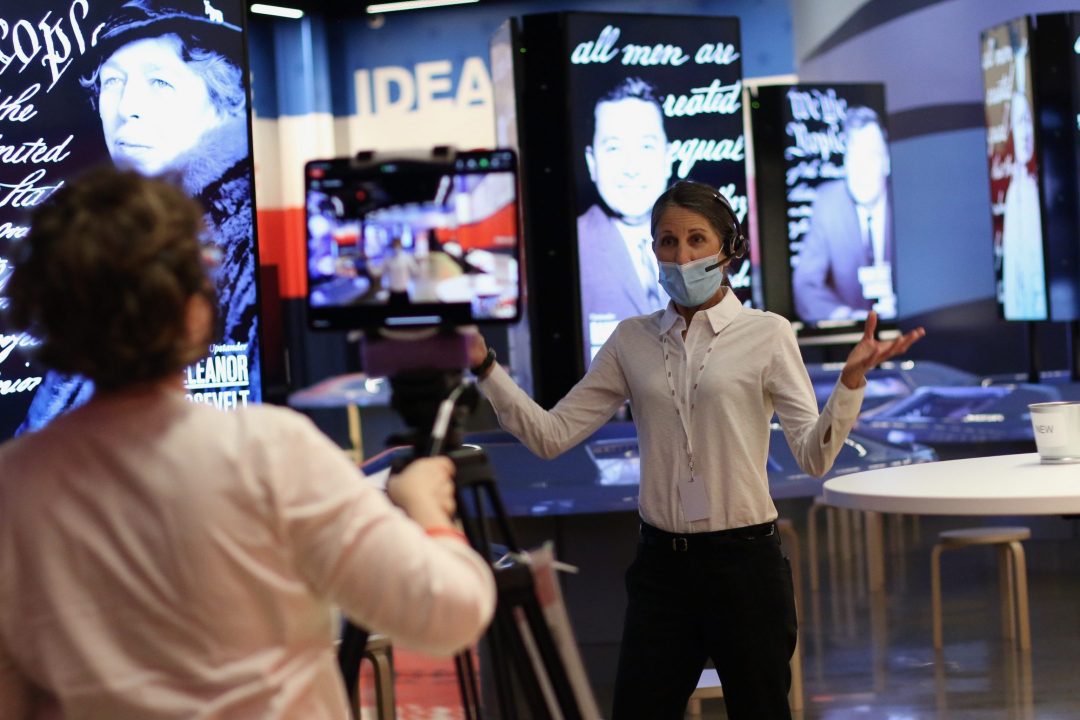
(736, 367)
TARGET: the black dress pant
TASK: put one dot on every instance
(727, 596)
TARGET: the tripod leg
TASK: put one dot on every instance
(470, 693)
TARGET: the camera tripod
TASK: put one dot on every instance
(528, 672)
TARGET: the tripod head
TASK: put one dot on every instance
(417, 396)
(427, 391)
(426, 382)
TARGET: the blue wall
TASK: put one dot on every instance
(456, 33)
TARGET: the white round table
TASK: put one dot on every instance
(995, 485)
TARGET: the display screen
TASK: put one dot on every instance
(1073, 23)
(160, 88)
(407, 242)
(652, 100)
(822, 164)
(1019, 252)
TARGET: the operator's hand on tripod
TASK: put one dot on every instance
(425, 491)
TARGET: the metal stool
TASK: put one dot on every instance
(1012, 571)
(381, 654)
(842, 531)
(708, 686)
(812, 535)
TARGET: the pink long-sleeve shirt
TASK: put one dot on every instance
(160, 559)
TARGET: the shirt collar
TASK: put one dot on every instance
(668, 319)
(720, 315)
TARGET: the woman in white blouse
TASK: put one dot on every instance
(703, 378)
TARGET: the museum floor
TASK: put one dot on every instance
(871, 657)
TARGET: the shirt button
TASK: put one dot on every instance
(695, 384)
(709, 350)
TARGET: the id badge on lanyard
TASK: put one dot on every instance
(693, 495)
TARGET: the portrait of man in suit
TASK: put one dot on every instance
(845, 265)
(627, 160)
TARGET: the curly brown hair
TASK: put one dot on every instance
(105, 275)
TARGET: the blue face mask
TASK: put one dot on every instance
(692, 284)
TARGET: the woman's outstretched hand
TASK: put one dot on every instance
(870, 352)
(477, 349)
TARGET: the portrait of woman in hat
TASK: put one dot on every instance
(166, 81)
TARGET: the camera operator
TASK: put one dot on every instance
(162, 559)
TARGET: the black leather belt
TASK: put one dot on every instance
(653, 536)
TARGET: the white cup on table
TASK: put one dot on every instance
(1057, 430)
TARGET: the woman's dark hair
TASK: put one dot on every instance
(710, 204)
(105, 275)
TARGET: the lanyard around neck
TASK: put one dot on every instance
(684, 416)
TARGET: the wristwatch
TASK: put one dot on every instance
(481, 369)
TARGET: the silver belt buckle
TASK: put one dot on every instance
(679, 544)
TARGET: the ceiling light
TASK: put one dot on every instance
(413, 5)
(276, 11)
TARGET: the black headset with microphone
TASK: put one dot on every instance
(736, 247)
